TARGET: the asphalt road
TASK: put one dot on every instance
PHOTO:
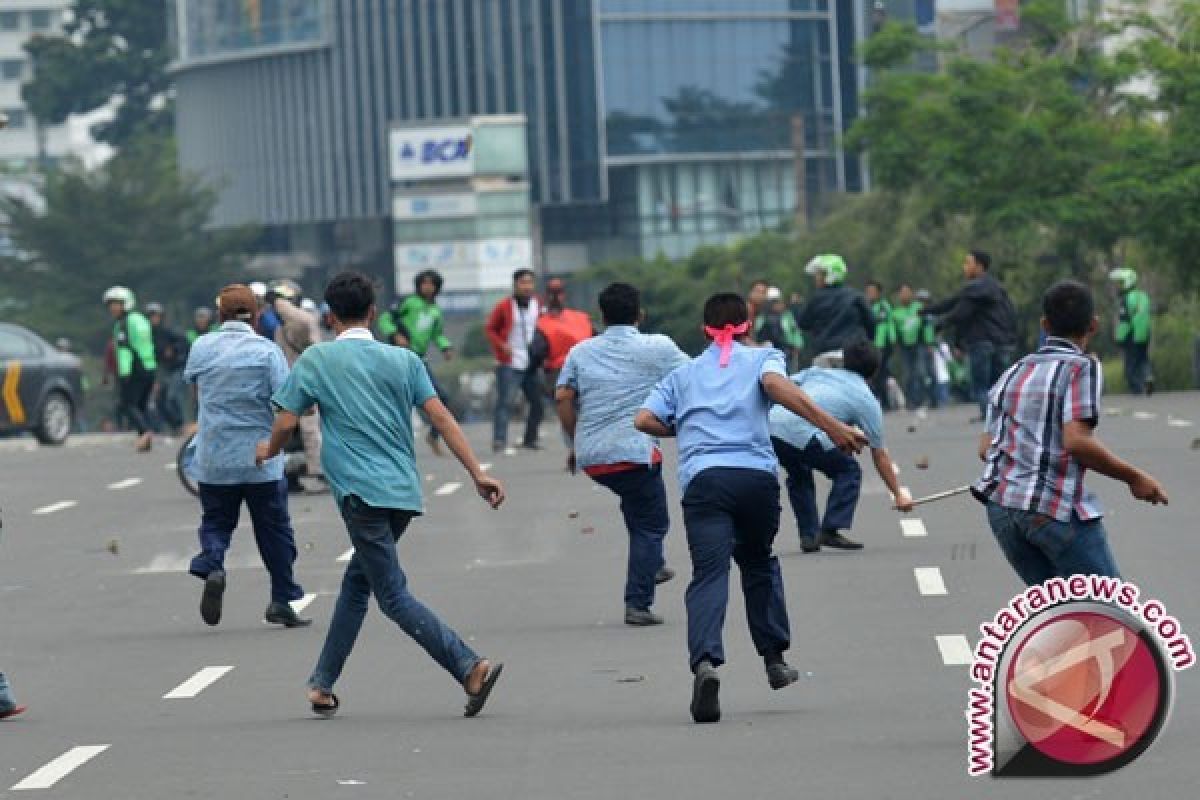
(587, 707)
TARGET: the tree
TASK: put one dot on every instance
(136, 222)
(110, 49)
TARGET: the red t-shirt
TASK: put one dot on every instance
(563, 330)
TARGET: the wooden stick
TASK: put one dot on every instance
(940, 495)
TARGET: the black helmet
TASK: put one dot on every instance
(430, 274)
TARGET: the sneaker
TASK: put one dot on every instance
(706, 689)
(642, 618)
(836, 540)
(211, 599)
(283, 614)
(663, 575)
(781, 675)
(809, 544)
(530, 446)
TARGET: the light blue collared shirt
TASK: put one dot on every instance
(236, 372)
(844, 395)
(612, 373)
(719, 413)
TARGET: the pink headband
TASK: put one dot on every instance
(723, 338)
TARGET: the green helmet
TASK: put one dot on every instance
(1124, 277)
(831, 264)
(119, 294)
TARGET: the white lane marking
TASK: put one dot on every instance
(60, 767)
(912, 527)
(955, 649)
(346, 556)
(172, 466)
(448, 488)
(62, 505)
(197, 683)
(1176, 422)
(303, 602)
(510, 451)
(128, 483)
(1145, 415)
(485, 466)
(929, 581)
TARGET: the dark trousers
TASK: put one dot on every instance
(1137, 366)
(988, 362)
(133, 400)
(644, 506)
(508, 380)
(879, 380)
(733, 513)
(272, 531)
(916, 374)
(841, 469)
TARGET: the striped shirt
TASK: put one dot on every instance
(1028, 468)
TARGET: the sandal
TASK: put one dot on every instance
(326, 710)
(475, 702)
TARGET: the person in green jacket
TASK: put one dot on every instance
(133, 350)
(885, 339)
(1133, 329)
(415, 323)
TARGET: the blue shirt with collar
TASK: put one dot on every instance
(236, 371)
(844, 395)
(720, 413)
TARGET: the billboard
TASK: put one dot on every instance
(434, 206)
(465, 266)
(417, 154)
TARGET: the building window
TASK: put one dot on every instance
(16, 118)
(11, 69)
(10, 21)
(39, 20)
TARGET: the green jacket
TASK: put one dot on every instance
(786, 330)
(1133, 325)
(885, 328)
(193, 334)
(422, 320)
(133, 344)
(909, 324)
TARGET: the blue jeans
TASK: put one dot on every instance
(987, 363)
(1137, 366)
(916, 374)
(221, 506)
(644, 506)
(375, 569)
(841, 469)
(7, 701)
(734, 513)
(1040, 547)
(507, 382)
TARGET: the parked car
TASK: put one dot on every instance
(42, 387)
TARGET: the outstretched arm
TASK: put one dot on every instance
(285, 425)
(443, 421)
(1081, 444)
(887, 472)
(787, 394)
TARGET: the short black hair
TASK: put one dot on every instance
(982, 259)
(878, 286)
(861, 356)
(620, 304)
(725, 308)
(350, 296)
(1069, 308)
(428, 275)
(521, 273)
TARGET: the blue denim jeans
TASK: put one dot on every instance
(987, 363)
(733, 513)
(7, 701)
(1137, 366)
(916, 374)
(1040, 547)
(508, 380)
(644, 506)
(375, 569)
(841, 469)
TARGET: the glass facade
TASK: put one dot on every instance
(226, 27)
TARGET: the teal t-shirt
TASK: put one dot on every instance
(366, 392)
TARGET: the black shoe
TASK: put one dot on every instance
(642, 618)
(837, 541)
(781, 675)
(283, 614)
(809, 544)
(211, 599)
(663, 575)
(497, 447)
(706, 688)
(530, 446)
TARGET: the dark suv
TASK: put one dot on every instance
(42, 388)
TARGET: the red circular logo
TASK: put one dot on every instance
(1083, 688)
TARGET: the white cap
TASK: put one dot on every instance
(773, 293)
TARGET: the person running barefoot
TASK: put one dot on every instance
(366, 391)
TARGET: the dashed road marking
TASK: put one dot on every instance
(128, 483)
(955, 649)
(895, 468)
(172, 466)
(912, 527)
(303, 602)
(53, 508)
(510, 451)
(61, 767)
(929, 581)
(346, 556)
(1145, 415)
(485, 466)
(197, 683)
(448, 488)
(1176, 422)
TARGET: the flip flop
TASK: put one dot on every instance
(12, 712)
(326, 710)
(475, 702)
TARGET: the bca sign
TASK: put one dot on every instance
(423, 153)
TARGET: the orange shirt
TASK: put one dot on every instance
(563, 330)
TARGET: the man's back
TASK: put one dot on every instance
(834, 316)
(844, 395)
(563, 329)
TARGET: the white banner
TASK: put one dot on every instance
(422, 153)
(434, 206)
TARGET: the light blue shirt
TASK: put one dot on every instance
(842, 394)
(612, 373)
(366, 392)
(719, 413)
(236, 371)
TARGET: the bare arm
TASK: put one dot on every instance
(794, 399)
(564, 399)
(443, 421)
(648, 423)
(887, 471)
(1082, 445)
(281, 432)
(985, 441)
